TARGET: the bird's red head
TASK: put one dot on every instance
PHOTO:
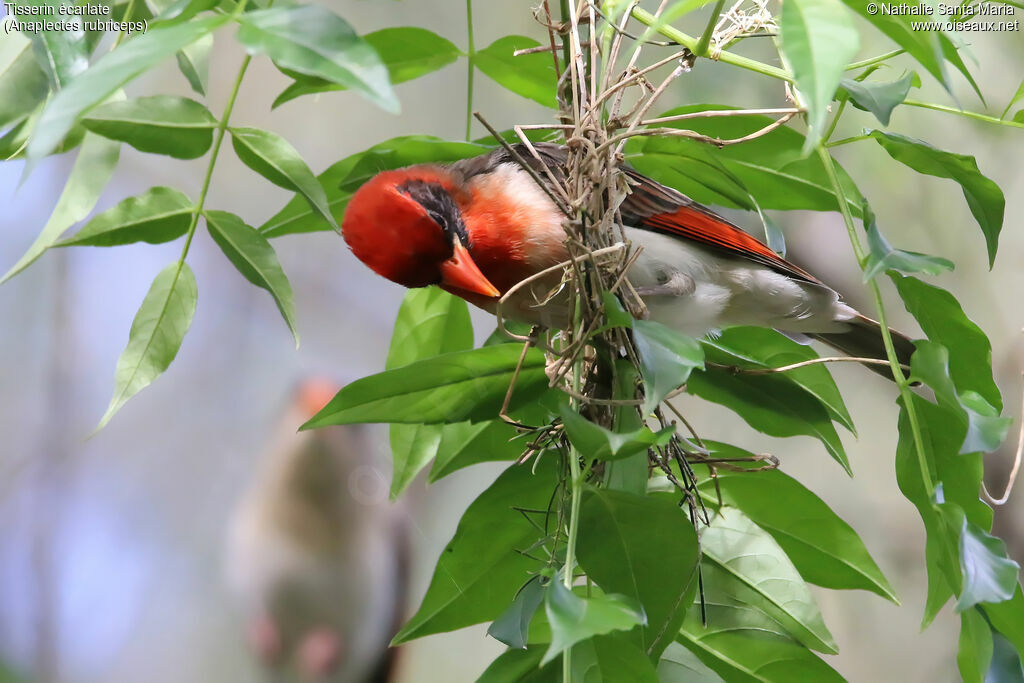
(406, 225)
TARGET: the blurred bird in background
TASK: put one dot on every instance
(317, 559)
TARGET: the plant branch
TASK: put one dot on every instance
(471, 68)
(960, 112)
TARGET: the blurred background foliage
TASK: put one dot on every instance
(111, 548)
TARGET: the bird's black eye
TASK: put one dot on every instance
(440, 206)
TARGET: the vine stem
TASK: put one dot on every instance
(471, 68)
(691, 43)
(897, 374)
(960, 112)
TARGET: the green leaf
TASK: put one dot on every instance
(344, 177)
(1006, 662)
(275, 159)
(824, 548)
(818, 39)
(759, 347)
(62, 54)
(107, 75)
(986, 431)
(645, 548)
(770, 404)
(194, 63)
(944, 321)
(408, 52)
(679, 665)
(255, 259)
(611, 659)
(737, 545)
(158, 215)
(741, 643)
(156, 335)
(878, 98)
(883, 257)
(574, 618)
(1007, 618)
(983, 196)
(316, 42)
(522, 666)
(454, 387)
(482, 567)
(924, 46)
(988, 574)
(178, 11)
(975, 651)
(92, 171)
(532, 76)
(770, 169)
(597, 443)
(163, 124)
(23, 84)
(513, 626)
(666, 359)
(429, 322)
(467, 443)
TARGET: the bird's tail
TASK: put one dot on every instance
(864, 340)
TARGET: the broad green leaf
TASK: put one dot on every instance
(818, 39)
(109, 73)
(532, 76)
(408, 52)
(883, 257)
(944, 321)
(986, 430)
(429, 322)
(255, 259)
(983, 196)
(160, 214)
(770, 169)
(666, 359)
(23, 84)
(574, 618)
(745, 551)
(314, 41)
(975, 652)
(482, 567)
(275, 159)
(596, 442)
(643, 547)
(759, 347)
(741, 643)
(824, 548)
(194, 63)
(344, 177)
(162, 124)
(770, 404)
(1017, 97)
(62, 54)
(156, 335)
(522, 666)
(611, 659)
(679, 665)
(92, 171)
(178, 11)
(513, 626)
(1007, 618)
(453, 387)
(467, 443)
(988, 574)
(878, 98)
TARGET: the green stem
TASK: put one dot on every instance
(846, 141)
(835, 120)
(871, 61)
(890, 351)
(702, 47)
(471, 67)
(126, 18)
(691, 43)
(959, 112)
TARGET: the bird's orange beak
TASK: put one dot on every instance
(461, 272)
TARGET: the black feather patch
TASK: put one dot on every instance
(440, 206)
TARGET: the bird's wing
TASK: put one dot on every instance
(653, 206)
